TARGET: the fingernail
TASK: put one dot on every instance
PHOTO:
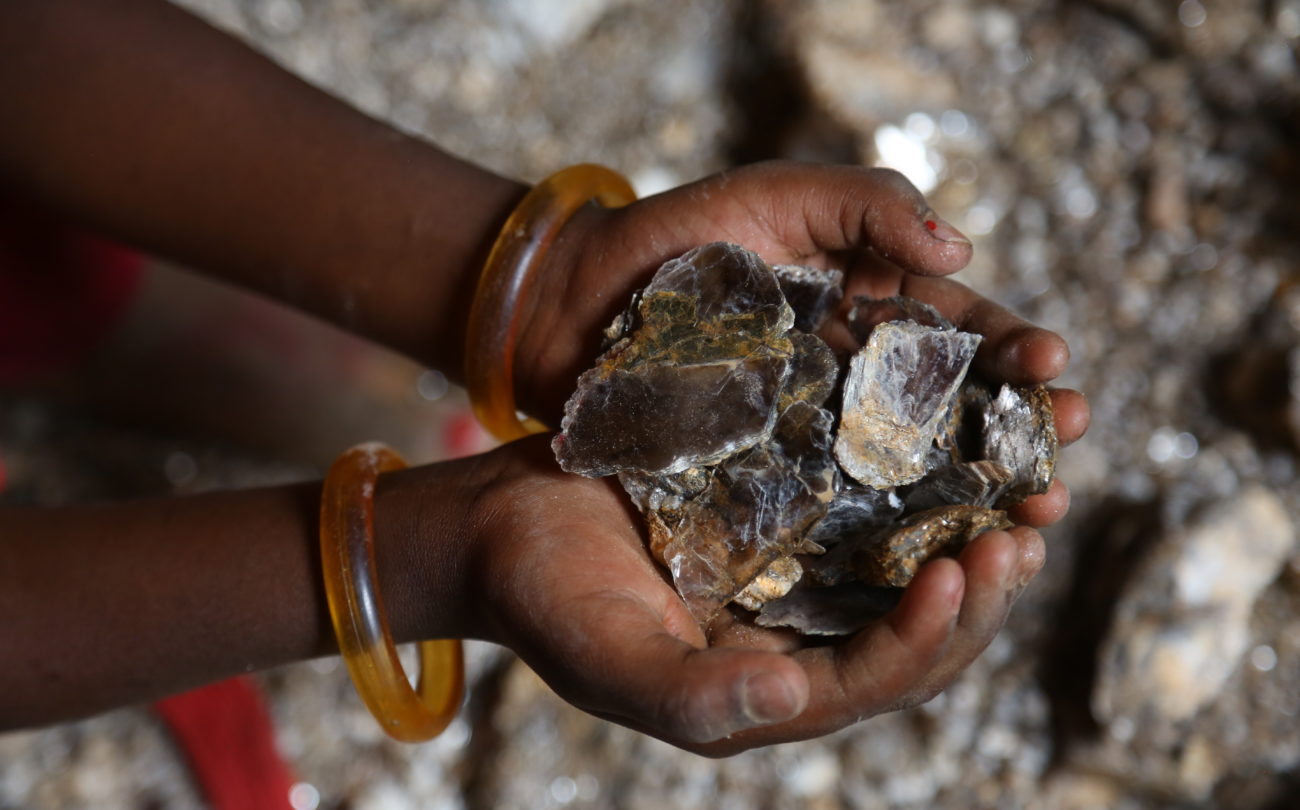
(954, 599)
(940, 229)
(767, 698)
(1033, 553)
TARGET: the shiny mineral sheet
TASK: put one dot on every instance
(710, 404)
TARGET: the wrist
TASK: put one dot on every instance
(425, 534)
(429, 244)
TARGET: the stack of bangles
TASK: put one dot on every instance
(347, 533)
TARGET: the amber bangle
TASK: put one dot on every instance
(347, 539)
(507, 280)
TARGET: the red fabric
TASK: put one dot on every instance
(463, 436)
(60, 291)
(226, 734)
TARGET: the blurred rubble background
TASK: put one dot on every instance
(1129, 173)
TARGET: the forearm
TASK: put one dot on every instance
(144, 121)
(103, 606)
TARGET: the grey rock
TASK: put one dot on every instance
(812, 292)
(1020, 435)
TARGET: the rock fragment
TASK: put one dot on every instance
(722, 528)
(894, 557)
(1182, 626)
(1020, 434)
(708, 403)
(897, 393)
(712, 321)
(978, 483)
(813, 293)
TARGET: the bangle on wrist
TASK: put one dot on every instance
(508, 278)
(347, 535)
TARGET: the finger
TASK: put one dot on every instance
(864, 675)
(884, 660)
(861, 677)
(1072, 414)
(1043, 510)
(998, 566)
(1013, 350)
(846, 208)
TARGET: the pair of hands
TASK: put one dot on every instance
(560, 562)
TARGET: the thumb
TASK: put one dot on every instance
(636, 672)
(703, 695)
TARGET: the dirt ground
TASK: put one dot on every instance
(1127, 172)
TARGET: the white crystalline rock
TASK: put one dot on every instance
(1183, 625)
(897, 393)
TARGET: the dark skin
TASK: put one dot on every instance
(206, 152)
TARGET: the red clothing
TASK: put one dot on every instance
(61, 291)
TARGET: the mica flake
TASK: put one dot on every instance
(709, 403)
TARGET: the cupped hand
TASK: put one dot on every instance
(563, 578)
(573, 590)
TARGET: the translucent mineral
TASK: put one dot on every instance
(813, 371)
(853, 510)
(696, 381)
(812, 292)
(718, 529)
(897, 393)
(854, 516)
(868, 313)
(710, 402)
(1020, 434)
(978, 483)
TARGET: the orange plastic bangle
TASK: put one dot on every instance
(347, 539)
(507, 281)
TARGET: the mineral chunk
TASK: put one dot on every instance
(978, 483)
(712, 321)
(811, 291)
(868, 313)
(1020, 434)
(895, 557)
(773, 583)
(710, 404)
(855, 515)
(898, 391)
(718, 530)
(813, 371)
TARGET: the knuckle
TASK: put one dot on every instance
(893, 180)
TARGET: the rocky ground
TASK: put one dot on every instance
(1124, 170)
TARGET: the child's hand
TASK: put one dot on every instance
(871, 223)
(569, 584)
(561, 575)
